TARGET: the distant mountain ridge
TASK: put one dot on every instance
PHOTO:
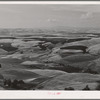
(60, 29)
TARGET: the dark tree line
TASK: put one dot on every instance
(71, 88)
(16, 84)
(67, 68)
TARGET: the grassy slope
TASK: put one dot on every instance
(76, 80)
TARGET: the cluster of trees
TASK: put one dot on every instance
(67, 68)
(89, 70)
(16, 84)
(71, 88)
(70, 69)
(86, 88)
(19, 85)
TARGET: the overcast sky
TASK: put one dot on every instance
(36, 16)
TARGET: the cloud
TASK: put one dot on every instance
(51, 20)
(86, 15)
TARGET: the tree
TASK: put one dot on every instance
(21, 82)
(43, 47)
(0, 66)
(98, 86)
(9, 82)
(5, 82)
(86, 88)
(14, 83)
(89, 70)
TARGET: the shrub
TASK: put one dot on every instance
(69, 88)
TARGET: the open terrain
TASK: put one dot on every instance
(49, 60)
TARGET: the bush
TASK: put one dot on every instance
(69, 88)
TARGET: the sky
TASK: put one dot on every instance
(37, 16)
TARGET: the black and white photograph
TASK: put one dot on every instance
(50, 47)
